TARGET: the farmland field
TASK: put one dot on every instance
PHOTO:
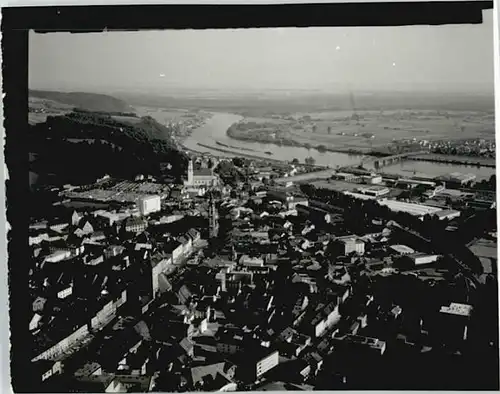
(368, 130)
(170, 115)
(39, 109)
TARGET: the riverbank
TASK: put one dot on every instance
(457, 161)
(233, 133)
(246, 155)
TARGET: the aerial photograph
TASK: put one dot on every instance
(263, 209)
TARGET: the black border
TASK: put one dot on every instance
(16, 22)
(124, 17)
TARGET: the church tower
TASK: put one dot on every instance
(190, 180)
(213, 219)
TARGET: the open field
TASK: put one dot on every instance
(338, 186)
(368, 130)
(268, 120)
(40, 108)
(170, 115)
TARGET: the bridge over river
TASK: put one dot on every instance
(366, 162)
(379, 162)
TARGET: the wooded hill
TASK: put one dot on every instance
(82, 146)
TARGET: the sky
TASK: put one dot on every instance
(449, 57)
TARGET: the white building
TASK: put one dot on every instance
(372, 179)
(66, 292)
(267, 363)
(149, 204)
(344, 176)
(350, 244)
(37, 239)
(374, 191)
(326, 319)
(57, 256)
(358, 196)
(422, 259)
(35, 321)
(447, 214)
(248, 261)
(419, 209)
(412, 209)
(159, 265)
(457, 309)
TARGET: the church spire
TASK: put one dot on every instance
(190, 172)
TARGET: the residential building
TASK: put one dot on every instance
(66, 291)
(45, 369)
(367, 344)
(257, 362)
(450, 325)
(194, 235)
(135, 225)
(35, 322)
(322, 319)
(159, 264)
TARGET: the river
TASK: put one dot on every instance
(214, 130)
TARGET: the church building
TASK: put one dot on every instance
(200, 177)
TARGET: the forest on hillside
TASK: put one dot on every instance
(82, 146)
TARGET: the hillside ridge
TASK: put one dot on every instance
(83, 100)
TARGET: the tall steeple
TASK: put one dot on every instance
(213, 219)
(190, 180)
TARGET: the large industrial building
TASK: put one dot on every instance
(418, 209)
(457, 179)
(374, 191)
